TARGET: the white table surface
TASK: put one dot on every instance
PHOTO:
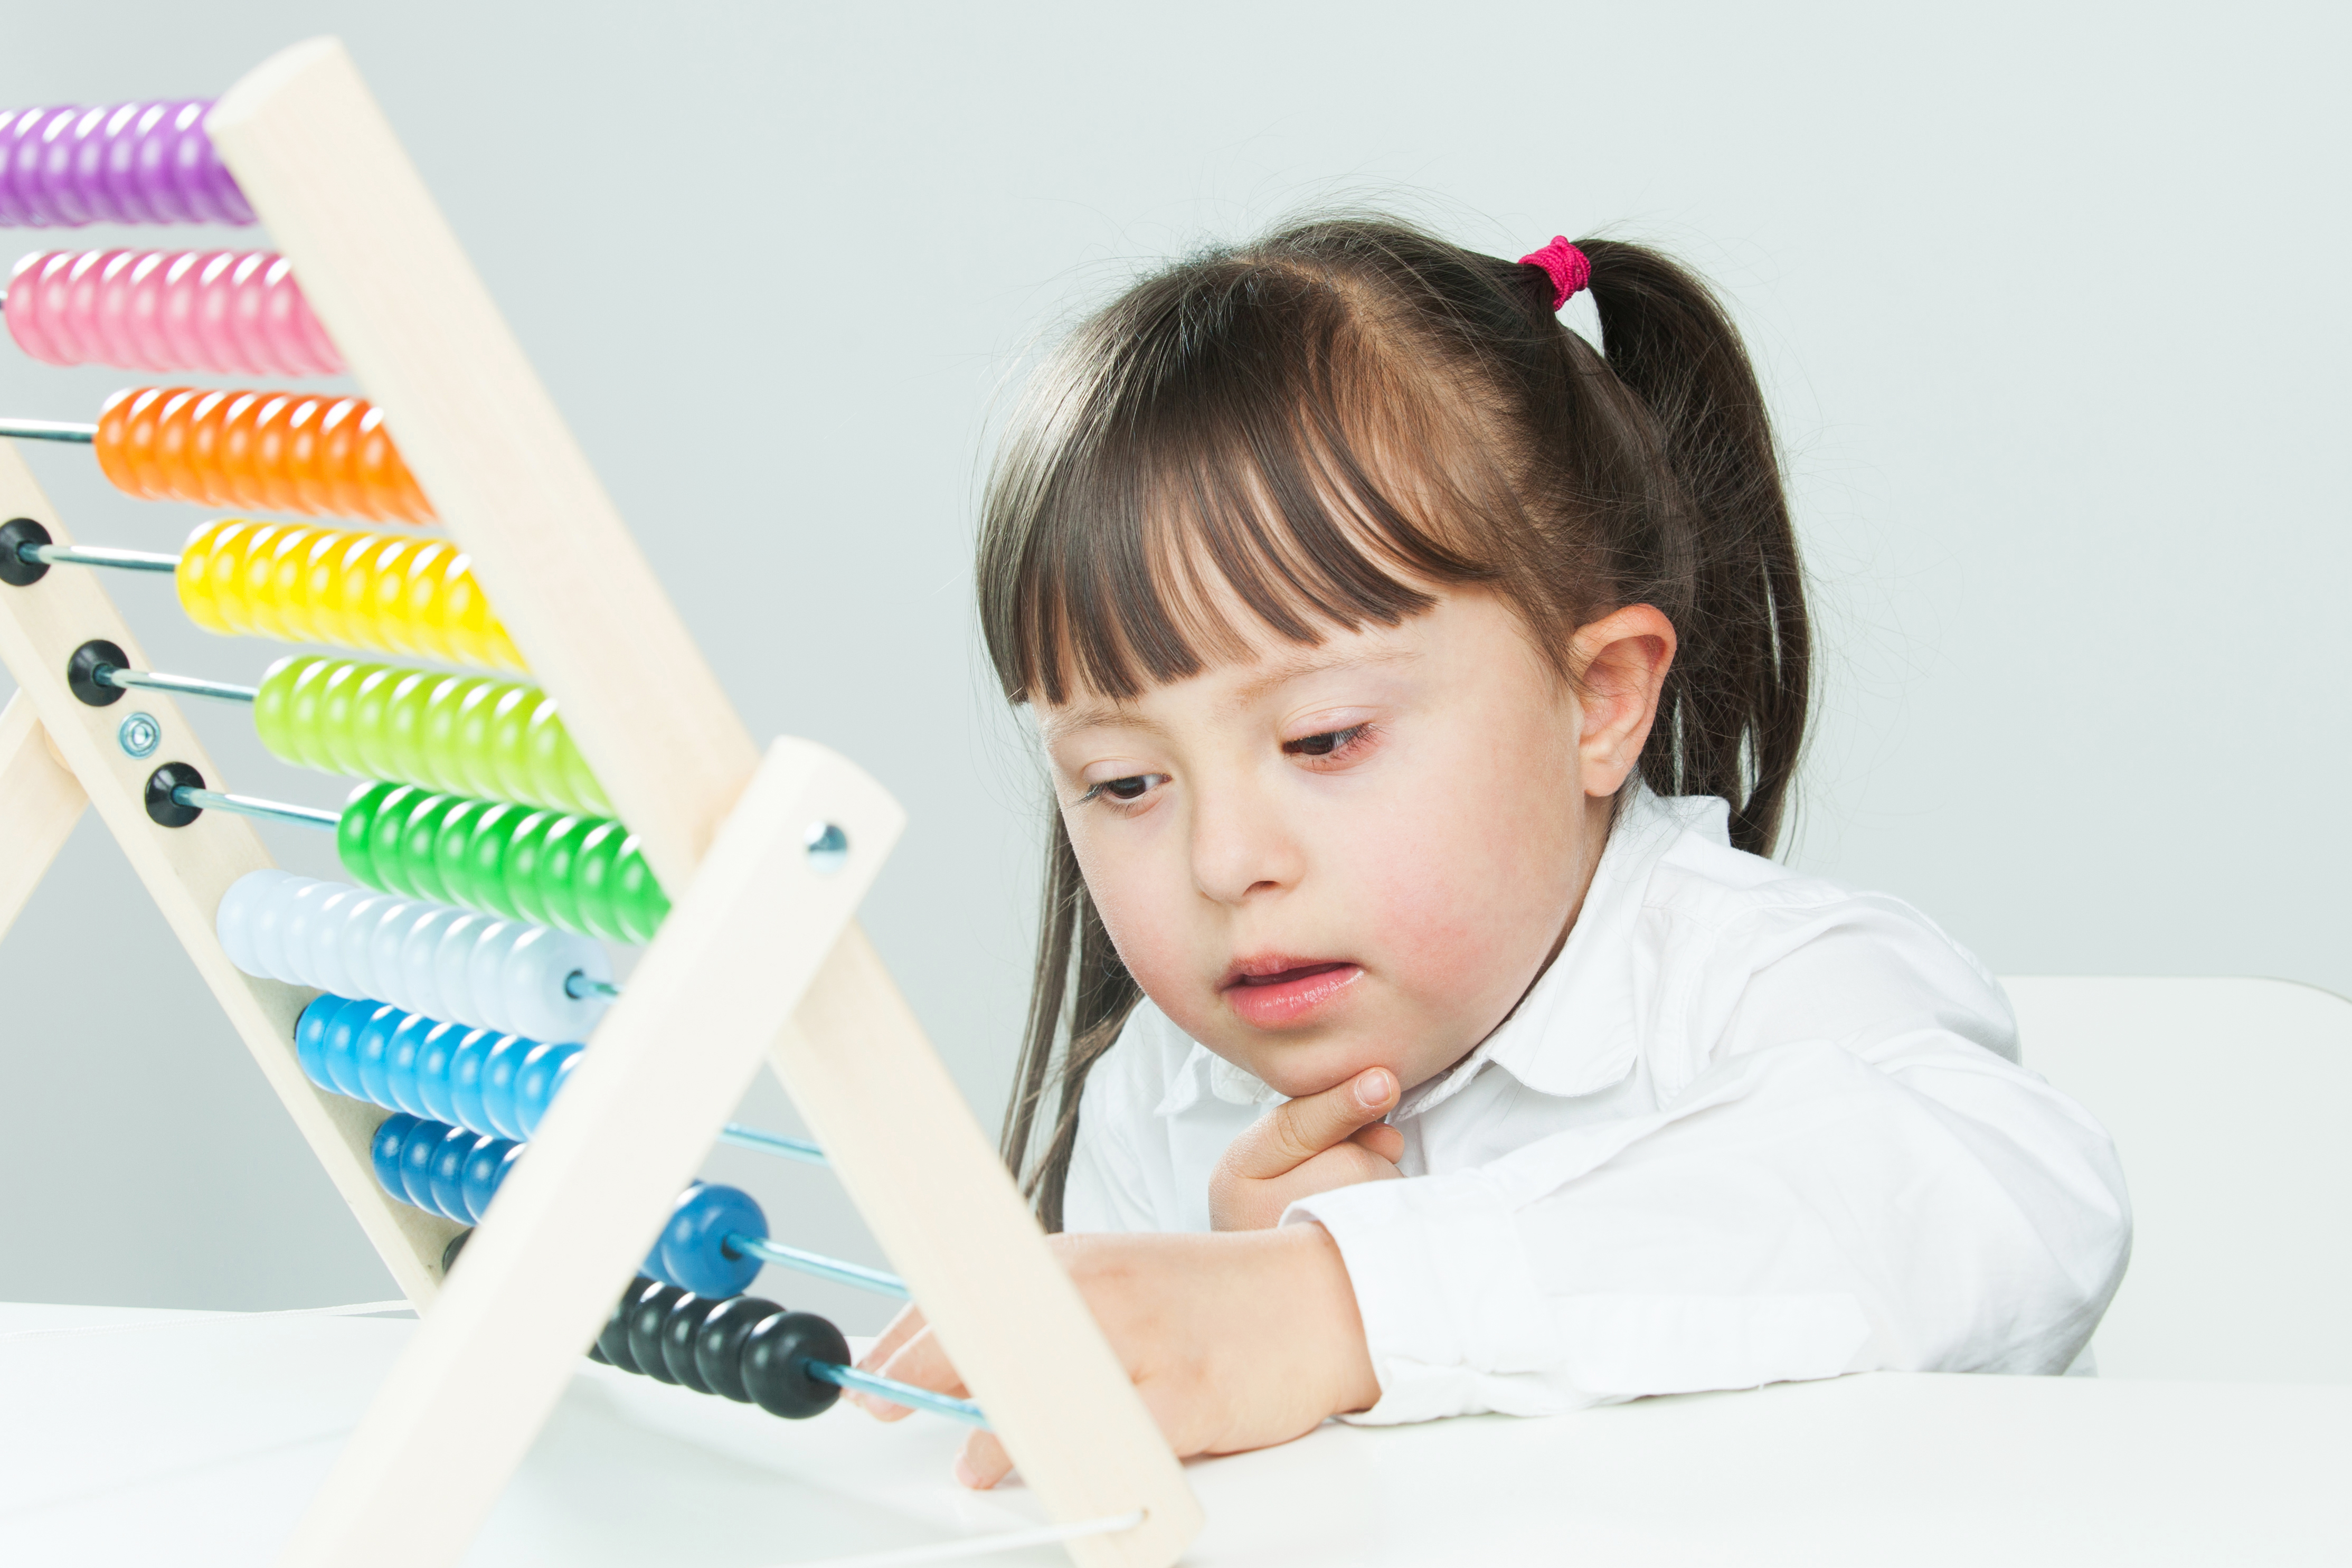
(194, 1439)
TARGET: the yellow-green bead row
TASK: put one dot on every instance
(460, 734)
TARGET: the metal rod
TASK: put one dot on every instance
(580, 986)
(799, 1149)
(818, 1265)
(96, 555)
(897, 1393)
(48, 430)
(187, 685)
(246, 805)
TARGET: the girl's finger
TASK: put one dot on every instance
(1380, 1139)
(904, 1327)
(983, 1463)
(1299, 1130)
(920, 1361)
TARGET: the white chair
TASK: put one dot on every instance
(2230, 1102)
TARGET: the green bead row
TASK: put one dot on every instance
(465, 734)
(576, 873)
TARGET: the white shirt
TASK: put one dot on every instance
(1750, 1126)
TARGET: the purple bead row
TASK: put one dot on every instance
(130, 162)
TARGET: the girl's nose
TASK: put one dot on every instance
(1241, 846)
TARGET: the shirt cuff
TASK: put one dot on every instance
(1447, 1299)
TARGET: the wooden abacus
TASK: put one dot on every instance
(760, 952)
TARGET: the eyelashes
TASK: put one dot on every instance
(1329, 744)
(1317, 750)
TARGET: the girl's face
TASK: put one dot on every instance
(1319, 859)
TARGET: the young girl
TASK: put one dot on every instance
(1421, 689)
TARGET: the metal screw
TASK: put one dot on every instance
(139, 735)
(828, 848)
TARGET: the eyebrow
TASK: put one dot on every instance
(1108, 715)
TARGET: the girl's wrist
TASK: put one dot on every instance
(1327, 1322)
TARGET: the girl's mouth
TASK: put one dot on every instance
(1271, 993)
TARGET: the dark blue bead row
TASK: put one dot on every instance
(454, 1173)
(448, 1171)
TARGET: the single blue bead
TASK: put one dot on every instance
(400, 1063)
(340, 1050)
(432, 1058)
(542, 1073)
(486, 1168)
(693, 1249)
(416, 1164)
(466, 1079)
(448, 1171)
(499, 1069)
(390, 1139)
(310, 1038)
(371, 1049)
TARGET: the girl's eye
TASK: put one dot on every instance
(1329, 743)
(1133, 787)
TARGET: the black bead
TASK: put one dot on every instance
(776, 1355)
(449, 1253)
(615, 1341)
(81, 672)
(679, 1330)
(647, 1314)
(718, 1344)
(160, 808)
(15, 569)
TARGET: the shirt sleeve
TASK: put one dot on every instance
(1900, 1197)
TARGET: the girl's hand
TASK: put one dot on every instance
(1307, 1146)
(1235, 1341)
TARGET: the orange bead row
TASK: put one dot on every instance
(274, 451)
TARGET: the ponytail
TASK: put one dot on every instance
(1731, 719)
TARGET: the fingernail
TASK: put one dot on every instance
(1374, 1088)
(965, 1475)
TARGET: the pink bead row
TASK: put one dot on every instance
(225, 312)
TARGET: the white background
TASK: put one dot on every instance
(2050, 301)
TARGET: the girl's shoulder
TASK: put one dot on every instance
(1754, 946)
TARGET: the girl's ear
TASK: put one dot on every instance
(1620, 663)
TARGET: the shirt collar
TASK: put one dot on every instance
(1576, 1031)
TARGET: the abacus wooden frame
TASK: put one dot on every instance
(760, 952)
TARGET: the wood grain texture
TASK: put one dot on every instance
(186, 870)
(40, 801)
(383, 272)
(571, 1226)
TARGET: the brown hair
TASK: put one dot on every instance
(1338, 419)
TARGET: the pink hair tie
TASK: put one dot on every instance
(1565, 265)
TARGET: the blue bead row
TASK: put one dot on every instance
(442, 1170)
(479, 1080)
(455, 1174)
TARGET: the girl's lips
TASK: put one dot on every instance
(1289, 995)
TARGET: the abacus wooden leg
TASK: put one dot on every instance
(899, 1133)
(186, 870)
(387, 279)
(39, 803)
(569, 1226)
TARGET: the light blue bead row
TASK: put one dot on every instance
(479, 1080)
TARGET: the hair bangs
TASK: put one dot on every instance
(1241, 450)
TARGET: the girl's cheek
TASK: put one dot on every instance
(1142, 898)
